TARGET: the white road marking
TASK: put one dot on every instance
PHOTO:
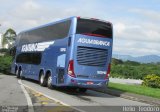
(29, 101)
(58, 101)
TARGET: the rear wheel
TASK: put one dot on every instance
(20, 74)
(42, 79)
(49, 81)
(17, 73)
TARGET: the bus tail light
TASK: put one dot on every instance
(71, 69)
(108, 71)
(78, 17)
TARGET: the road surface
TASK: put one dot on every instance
(126, 81)
(12, 93)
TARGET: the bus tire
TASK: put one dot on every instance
(82, 90)
(49, 81)
(20, 74)
(42, 79)
(17, 73)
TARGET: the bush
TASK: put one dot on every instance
(116, 61)
(133, 70)
(152, 81)
(3, 50)
(5, 64)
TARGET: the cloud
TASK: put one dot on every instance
(139, 38)
(31, 13)
(136, 30)
(15, 16)
(135, 48)
(144, 31)
(148, 13)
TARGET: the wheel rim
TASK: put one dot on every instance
(42, 79)
(20, 73)
(49, 80)
(16, 72)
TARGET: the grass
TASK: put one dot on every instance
(138, 89)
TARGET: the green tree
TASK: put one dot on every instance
(116, 61)
(133, 63)
(8, 37)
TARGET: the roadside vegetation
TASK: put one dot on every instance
(5, 63)
(8, 39)
(151, 81)
(149, 73)
(133, 70)
(138, 89)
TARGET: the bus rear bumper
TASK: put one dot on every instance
(85, 83)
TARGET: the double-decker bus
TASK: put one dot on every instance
(74, 52)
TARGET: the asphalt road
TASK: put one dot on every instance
(11, 93)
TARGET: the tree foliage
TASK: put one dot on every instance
(8, 37)
(116, 61)
(5, 64)
(134, 70)
(152, 81)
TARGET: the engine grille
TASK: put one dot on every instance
(91, 56)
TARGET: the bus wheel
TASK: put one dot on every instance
(20, 75)
(17, 74)
(42, 79)
(82, 90)
(49, 81)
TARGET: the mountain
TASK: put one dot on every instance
(141, 59)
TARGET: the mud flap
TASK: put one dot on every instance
(60, 68)
(60, 73)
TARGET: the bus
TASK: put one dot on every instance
(75, 52)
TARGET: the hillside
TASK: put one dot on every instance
(140, 59)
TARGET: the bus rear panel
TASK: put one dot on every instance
(89, 65)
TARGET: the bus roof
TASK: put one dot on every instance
(48, 24)
(51, 23)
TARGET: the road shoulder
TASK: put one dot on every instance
(130, 96)
(11, 93)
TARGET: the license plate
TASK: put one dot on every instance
(89, 82)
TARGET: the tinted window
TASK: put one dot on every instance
(47, 33)
(29, 58)
(94, 27)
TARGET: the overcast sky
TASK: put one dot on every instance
(136, 22)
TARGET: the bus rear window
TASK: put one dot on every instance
(94, 28)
